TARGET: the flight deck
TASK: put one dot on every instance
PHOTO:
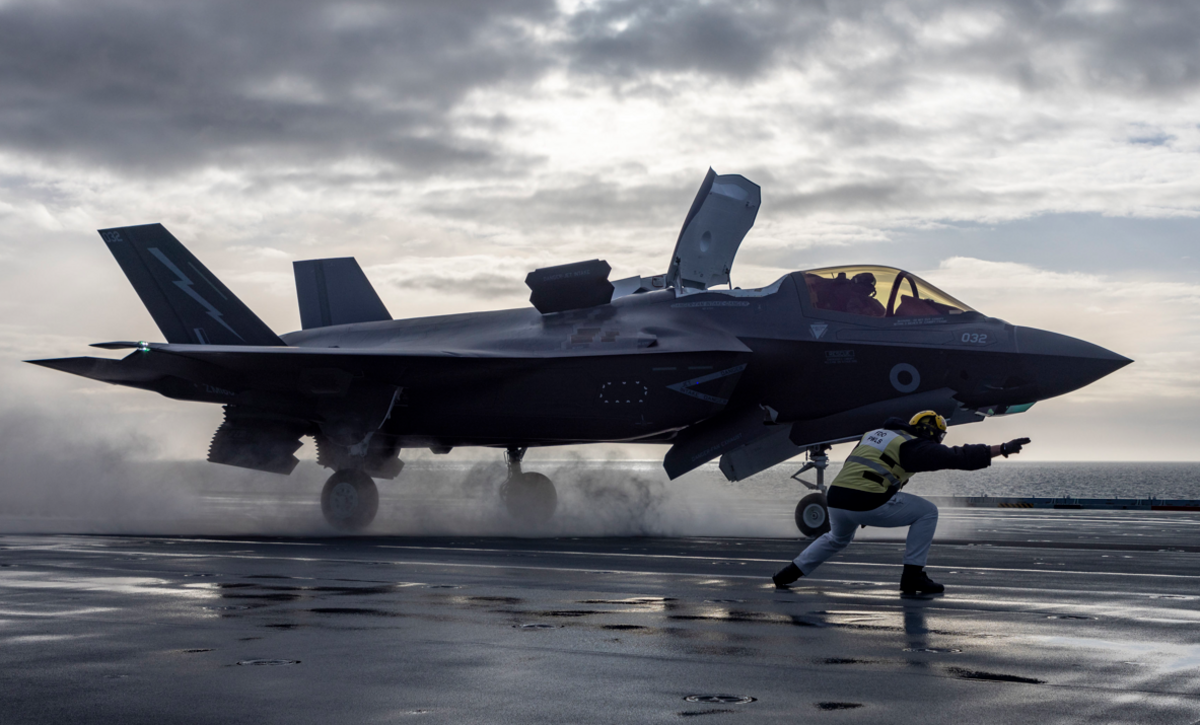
(1050, 616)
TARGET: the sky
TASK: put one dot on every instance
(1036, 159)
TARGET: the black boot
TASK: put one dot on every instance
(786, 575)
(914, 580)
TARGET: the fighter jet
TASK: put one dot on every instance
(752, 377)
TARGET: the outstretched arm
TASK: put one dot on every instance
(1007, 449)
(925, 455)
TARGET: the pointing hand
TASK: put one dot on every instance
(1013, 446)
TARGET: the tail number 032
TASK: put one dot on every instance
(975, 338)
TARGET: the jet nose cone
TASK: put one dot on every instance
(1060, 364)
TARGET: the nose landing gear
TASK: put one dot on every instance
(350, 500)
(529, 497)
(812, 513)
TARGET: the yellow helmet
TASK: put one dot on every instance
(929, 422)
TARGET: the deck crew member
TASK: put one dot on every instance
(867, 493)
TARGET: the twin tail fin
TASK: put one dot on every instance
(336, 292)
(188, 303)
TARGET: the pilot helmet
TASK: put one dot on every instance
(865, 279)
(929, 424)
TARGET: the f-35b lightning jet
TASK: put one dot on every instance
(753, 377)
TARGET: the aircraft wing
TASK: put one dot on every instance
(315, 370)
(710, 341)
(774, 445)
(748, 443)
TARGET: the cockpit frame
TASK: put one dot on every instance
(877, 295)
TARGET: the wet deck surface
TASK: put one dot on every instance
(1049, 617)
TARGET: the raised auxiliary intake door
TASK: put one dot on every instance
(722, 213)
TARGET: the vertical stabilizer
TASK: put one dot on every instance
(335, 292)
(188, 303)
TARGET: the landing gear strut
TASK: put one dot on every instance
(812, 513)
(529, 497)
(349, 500)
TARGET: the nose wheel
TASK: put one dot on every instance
(812, 513)
(350, 500)
(528, 497)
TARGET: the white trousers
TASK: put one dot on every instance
(903, 509)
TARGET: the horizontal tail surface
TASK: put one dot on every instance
(335, 292)
(188, 303)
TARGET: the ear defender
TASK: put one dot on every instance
(930, 423)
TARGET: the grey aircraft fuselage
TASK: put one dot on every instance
(649, 367)
(753, 377)
(627, 371)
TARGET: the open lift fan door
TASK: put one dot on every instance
(721, 215)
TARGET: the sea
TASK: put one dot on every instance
(1019, 478)
(441, 496)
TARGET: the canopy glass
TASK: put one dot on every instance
(878, 292)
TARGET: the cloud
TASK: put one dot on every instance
(531, 114)
(593, 200)
(484, 286)
(454, 146)
(1150, 136)
(1154, 322)
(1109, 47)
(620, 41)
(147, 88)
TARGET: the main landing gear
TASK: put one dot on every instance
(812, 513)
(529, 497)
(350, 500)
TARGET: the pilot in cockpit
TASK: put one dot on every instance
(855, 295)
(873, 291)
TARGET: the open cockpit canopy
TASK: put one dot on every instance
(878, 292)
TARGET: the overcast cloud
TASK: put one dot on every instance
(1037, 159)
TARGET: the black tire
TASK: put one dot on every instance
(529, 497)
(350, 501)
(812, 515)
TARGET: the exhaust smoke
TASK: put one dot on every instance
(114, 485)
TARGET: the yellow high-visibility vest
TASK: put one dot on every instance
(877, 454)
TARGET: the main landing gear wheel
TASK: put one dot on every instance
(812, 515)
(349, 500)
(529, 497)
